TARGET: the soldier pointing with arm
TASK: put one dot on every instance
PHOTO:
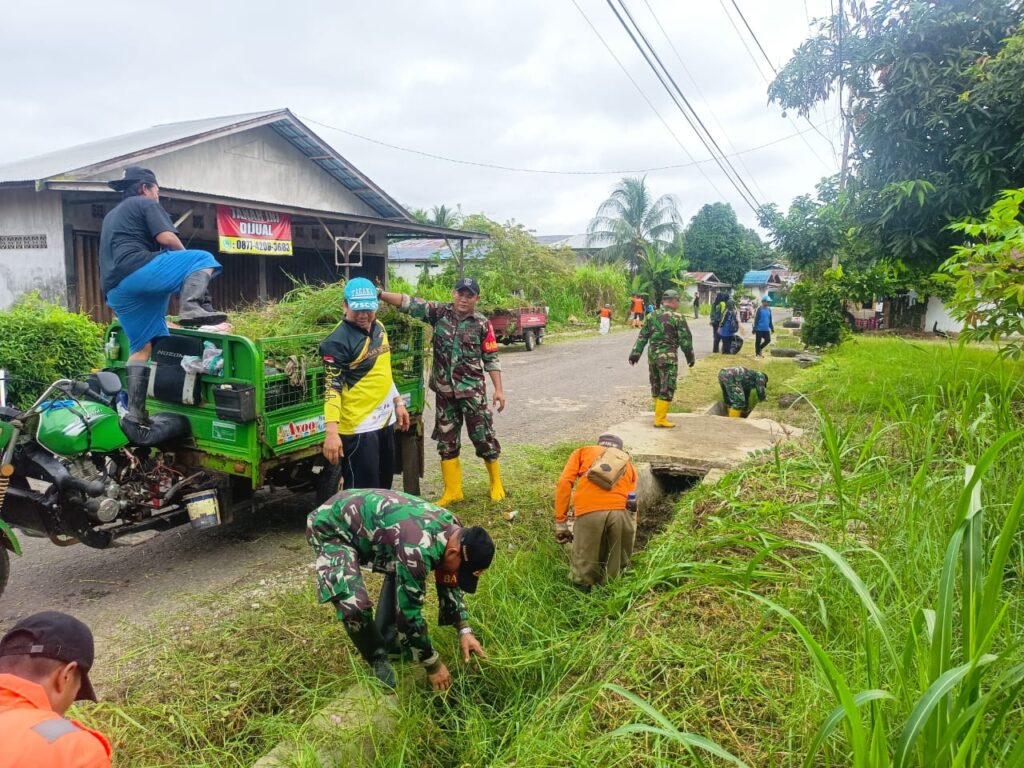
(665, 330)
(464, 350)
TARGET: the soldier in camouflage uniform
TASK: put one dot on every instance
(407, 538)
(665, 330)
(464, 350)
(737, 384)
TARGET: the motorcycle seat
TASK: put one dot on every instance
(163, 428)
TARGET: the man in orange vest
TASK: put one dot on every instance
(636, 311)
(603, 528)
(44, 668)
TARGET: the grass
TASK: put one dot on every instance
(842, 602)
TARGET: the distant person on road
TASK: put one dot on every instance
(605, 313)
(406, 538)
(44, 668)
(763, 326)
(745, 308)
(465, 349)
(665, 331)
(717, 315)
(142, 264)
(650, 310)
(730, 329)
(737, 384)
(603, 529)
(696, 305)
(636, 311)
(361, 403)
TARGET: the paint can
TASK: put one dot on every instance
(203, 508)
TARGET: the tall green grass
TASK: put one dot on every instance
(847, 601)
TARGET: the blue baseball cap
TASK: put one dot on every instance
(361, 295)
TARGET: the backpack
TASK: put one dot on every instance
(608, 468)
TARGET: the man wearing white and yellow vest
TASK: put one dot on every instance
(361, 402)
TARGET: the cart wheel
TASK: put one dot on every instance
(540, 336)
(530, 340)
(329, 482)
(5, 567)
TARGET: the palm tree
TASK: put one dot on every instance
(443, 216)
(630, 220)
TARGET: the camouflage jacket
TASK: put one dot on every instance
(664, 330)
(391, 530)
(464, 350)
(738, 382)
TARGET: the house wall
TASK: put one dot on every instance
(258, 165)
(23, 211)
(410, 270)
(938, 314)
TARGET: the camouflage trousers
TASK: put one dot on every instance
(733, 393)
(451, 412)
(338, 578)
(663, 370)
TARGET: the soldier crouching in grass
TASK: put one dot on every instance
(464, 350)
(406, 538)
(665, 331)
(737, 383)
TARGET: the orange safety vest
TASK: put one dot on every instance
(34, 736)
(589, 497)
(638, 306)
(605, 312)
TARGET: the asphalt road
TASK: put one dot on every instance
(559, 392)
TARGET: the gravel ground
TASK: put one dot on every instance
(558, 392)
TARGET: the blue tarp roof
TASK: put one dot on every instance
(757, 277)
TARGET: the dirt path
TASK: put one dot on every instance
(558, 392)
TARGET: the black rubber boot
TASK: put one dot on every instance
(370, 644)
(138, 385)
(194, 292)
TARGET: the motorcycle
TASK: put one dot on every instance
(70, 473)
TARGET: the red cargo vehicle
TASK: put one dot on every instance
(525, 324)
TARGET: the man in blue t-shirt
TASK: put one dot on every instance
(763, 326)
(142, 264)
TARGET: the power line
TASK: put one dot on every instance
(688, 112)
(700, 93)
(646, 99)
(549, 171)
(774, 70)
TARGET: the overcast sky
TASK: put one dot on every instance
(525, 84)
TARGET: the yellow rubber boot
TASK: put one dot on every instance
(735, 413)
(661, 414)
(497, 489)
(451, 473)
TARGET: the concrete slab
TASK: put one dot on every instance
(699, 443)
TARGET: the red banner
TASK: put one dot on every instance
(250, 230)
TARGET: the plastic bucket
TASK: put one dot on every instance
(203, 509)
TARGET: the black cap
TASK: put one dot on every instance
(133, 174)
(467, 284)
(54, 635)
(608, 440)
(477, 551)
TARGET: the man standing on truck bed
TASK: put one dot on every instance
(142, 263)
(409, 537)
(666, 330)
(361, 404)
(464, 349)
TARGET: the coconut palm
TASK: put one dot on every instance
(630, 220)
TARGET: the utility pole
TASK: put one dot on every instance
(844, 165)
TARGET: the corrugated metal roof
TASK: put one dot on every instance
(420, 250)
(757, 278)
(83, 160)
(575, 242)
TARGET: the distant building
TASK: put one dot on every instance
(576, 243)
(764, 282)
(707, 285)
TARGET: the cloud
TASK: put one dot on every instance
(523, 84)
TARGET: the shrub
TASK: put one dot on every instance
(824, 322)
(41, 342)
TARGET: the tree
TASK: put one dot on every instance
(657, 271)
(438, 216)
(988, 275)
(630, 220)
(934, 138)
(715, 241)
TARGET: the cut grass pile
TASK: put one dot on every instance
(849, 575)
